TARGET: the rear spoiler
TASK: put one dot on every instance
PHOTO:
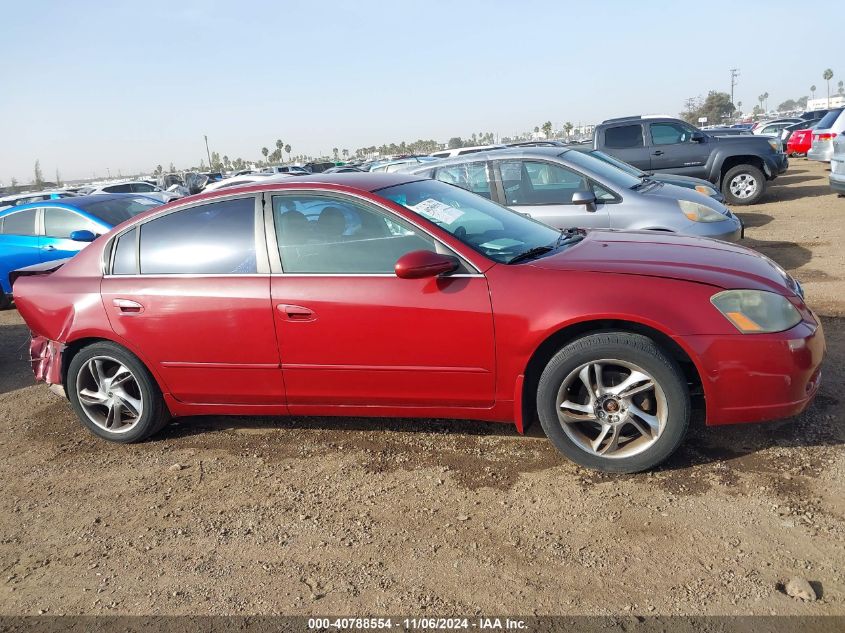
(44, 268)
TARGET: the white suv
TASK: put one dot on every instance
(831, 126)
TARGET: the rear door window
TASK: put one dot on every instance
(215, 238)
(624, 136)
(20, 223)
(470, 176)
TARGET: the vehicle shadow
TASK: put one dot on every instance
(15, 372)
(792, 180)
(737, 446)
(788, 254)
(753, 220)
(784, 194)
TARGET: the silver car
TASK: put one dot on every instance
(831, 126)
(565, 188)
(837, 165)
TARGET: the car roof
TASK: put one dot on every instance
(77, 202)
(514, 152)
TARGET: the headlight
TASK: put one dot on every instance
(756, 311)
(775, 144)
(707, 191)
(699, 212)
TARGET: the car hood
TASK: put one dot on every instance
(685, 258)
(740, 139)
(676, 192)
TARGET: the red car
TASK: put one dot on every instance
(800, 142)
(387, 295)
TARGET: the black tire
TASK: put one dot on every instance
(154, 413)
(625, 347)
(749, 172)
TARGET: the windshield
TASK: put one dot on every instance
(484, 226)
(116, 210)
(621, 164)
(602, 169)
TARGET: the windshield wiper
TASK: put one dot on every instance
(531, 253)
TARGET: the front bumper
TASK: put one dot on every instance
(758, 377)
(775, 165)
(837, 173)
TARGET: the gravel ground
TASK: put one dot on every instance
(342, 516)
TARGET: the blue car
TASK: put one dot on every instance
(55, 229)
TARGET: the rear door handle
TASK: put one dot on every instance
(296, 313)
(658, 153)
(127, 306)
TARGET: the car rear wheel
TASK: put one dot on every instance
(114, 395)
(614, 402)
(743, 184)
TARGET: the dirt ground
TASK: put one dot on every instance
(360, 516)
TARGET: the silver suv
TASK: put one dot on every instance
(831, 126)
(565, 188)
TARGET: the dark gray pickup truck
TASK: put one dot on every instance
(739, 165)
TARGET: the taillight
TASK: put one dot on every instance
(827, 136)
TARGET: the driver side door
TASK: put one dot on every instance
(672, 148)
(544, 191)
(353, 334)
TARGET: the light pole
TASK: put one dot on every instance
(208, 153)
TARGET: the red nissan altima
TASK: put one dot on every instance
(388, 295)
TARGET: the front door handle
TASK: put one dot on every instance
(296, 313)
(127, 306)
(658, 153)
(48, 247)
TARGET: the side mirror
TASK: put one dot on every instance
(83, 236)
(420, 264)
(587, 198)
(698, 137)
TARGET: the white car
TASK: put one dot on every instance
(134, 186)
(284, 169)
(451, 153)
(246, 179)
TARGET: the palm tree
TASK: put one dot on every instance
(287, 149)
(827, 75)
(265, 151)
(334, 151)
(761, 98)
(813, 92)
(841, 87)
(345, 153)
(766, 99)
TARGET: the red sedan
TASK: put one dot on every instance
(799, 142)
(387, 295)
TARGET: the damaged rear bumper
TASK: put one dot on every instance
(45, 357)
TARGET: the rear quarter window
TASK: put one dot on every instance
(624, 136)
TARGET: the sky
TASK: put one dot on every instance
(95, 87)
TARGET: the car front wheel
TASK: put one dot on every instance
(614, 401)
(114, 395)
(743, 185)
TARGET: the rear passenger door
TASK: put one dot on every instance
(544, 191)
(627, 143)
(18, 243)
(672, 149)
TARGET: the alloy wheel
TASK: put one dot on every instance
(743, 186)
(109, 394)
(611, 408)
